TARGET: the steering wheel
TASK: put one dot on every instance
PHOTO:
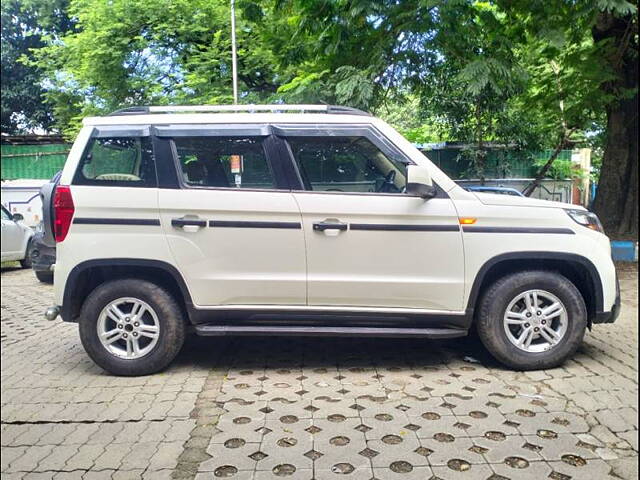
(388, 184)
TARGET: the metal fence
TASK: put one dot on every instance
(498, 164)
(33, 161)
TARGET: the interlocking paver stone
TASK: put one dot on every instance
(270, 408)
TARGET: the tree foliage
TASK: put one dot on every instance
(23, 93)
(528, 75)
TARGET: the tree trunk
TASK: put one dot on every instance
(480, 153)
(616, 200)
(545, 168)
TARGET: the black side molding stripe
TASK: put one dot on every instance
(116, 221)
(404, 228)
(560, 231)
(249, 224)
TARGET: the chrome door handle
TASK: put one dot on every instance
(322, 226)
(330, 228)
(188, 224)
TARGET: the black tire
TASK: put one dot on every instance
(170, 318)
(26, 261)
(44, 277)
(496, 299)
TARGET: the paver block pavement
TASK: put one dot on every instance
(308, 408)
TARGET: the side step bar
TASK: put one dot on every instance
(257, 330)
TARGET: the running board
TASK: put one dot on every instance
(222, 330)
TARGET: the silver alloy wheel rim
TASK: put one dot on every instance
(128, 328)
(535, 321)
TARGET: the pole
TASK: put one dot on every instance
(234, 62)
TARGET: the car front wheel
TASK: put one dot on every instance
(532, 320)
(131, 327)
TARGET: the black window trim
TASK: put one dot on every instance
(366, 131)
(106, 131)
(212, 130)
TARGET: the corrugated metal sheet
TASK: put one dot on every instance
(32, 161)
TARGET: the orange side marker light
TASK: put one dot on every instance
(468, 220)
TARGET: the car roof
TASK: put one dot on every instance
(206, 114)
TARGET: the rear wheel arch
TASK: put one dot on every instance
(576, 268)
(85, 277)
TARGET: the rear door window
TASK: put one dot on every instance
(224, 162)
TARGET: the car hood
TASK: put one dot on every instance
(513, 201)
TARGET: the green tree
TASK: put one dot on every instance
(583, 59)
(616, 30)
(135, 52)
(23, 93)
(528, 75)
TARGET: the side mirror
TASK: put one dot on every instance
(419, 182)
(17, 217)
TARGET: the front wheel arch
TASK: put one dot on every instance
(577, 269)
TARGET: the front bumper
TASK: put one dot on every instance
(610, 317)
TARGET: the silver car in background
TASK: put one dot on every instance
(16, 239)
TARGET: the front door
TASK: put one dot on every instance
(368, 243)
(233, 228)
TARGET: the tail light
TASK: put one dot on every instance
(63, 209)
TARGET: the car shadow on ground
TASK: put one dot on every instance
(273, 352)
(10, 268)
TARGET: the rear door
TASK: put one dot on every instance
(369, 244)
(233, 225)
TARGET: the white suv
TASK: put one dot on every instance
(309, 220)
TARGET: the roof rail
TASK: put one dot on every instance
(130, 111)
(332, 109)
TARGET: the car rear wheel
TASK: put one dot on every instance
(26, 261)
(532, 320)
(131, 327)
(44, 277)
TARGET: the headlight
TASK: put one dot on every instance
(586, 219)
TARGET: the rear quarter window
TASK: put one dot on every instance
(117, 161)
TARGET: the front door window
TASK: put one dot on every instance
(346, 164)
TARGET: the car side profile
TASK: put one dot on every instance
(306, 220)
(16, 239)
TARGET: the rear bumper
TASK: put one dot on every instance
(610, 317)
(43, 263)
(43, 256)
